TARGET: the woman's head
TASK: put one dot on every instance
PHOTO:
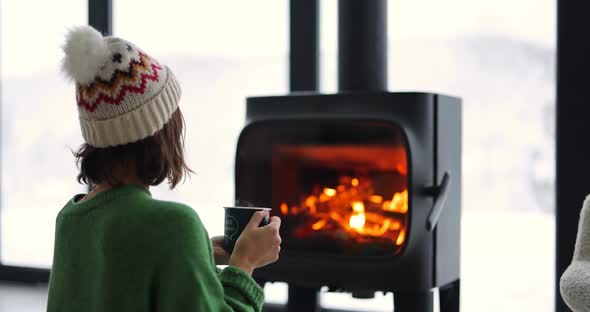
(128, 111)
(150, 160)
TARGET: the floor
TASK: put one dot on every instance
(22, 298)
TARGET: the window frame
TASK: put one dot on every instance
(572, 166)
(570, 55)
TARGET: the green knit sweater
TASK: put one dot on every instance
(123, 251)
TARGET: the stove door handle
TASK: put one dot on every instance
(439, 193)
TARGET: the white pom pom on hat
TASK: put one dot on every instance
(85, 53)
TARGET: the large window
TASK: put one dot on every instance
(497, 55)
(39, 126)
(504, 69)
(221, 52)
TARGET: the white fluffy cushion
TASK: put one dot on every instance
(574, 284)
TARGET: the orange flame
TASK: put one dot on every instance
(353, 207)
(319, 225)
(329, 192)
(284, 209)
(399, 203)
(376, 199)
(358, 207)
(401, 238)
(357, 219)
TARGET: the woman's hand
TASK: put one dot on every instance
(257, 246)
(221, 256)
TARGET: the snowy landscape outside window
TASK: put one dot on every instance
(38, 129)
(499, 56)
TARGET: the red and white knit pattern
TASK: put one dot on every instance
(130, 98)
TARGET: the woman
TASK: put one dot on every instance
(117, 248)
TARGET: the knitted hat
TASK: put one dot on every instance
(123, 94)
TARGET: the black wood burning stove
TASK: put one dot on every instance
(367, 183)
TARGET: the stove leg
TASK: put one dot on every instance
(303, 299)
(449, 296)
(413, 301)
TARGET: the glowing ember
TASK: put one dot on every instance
(357, 220)
(376, 199)
(353, 208)
(284, 208)
(329, 192)
(401, 238)
(358, 207)
(399, 203)
(319, 225)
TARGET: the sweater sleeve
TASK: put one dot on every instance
(187, 279)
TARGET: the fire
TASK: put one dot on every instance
(357, 219)
(329, 192)
(399, 203)
(376, 199)
(357, 222)
(358, 207)
(401, 238)
(319, 225)
(284, 208)
(352, 207)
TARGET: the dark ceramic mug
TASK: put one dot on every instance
(236, 219)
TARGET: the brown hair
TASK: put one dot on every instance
(152, 159)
